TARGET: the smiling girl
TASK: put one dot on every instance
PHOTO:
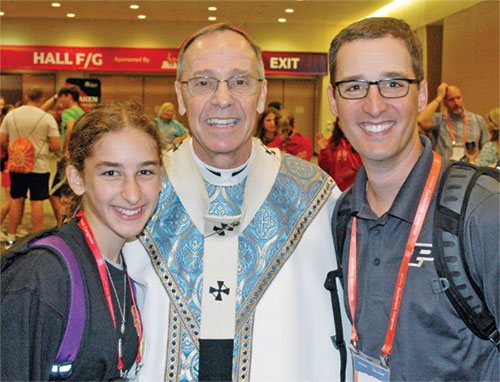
(114, 171)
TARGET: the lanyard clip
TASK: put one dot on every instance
(384, 360)
(138, 367)
(354, 345)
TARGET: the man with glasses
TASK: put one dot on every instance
(457, 134)
(234, 259)
(377, 90)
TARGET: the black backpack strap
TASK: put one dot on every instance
(340, 220)
(338, 338)
(448, 241)
(338, 223)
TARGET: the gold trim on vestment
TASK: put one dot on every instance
(180, 310)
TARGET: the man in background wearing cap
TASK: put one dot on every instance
(456, 132)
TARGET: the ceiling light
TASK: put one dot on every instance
(2, 13)
(282, 20)
(56, 5)
(70, 15)
(134, 6)
(289, 10)
(212, 9)
(212, 18)
(391, 7)
(141, 16)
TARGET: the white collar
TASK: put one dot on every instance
(223, 177)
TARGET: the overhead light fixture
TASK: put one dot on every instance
(56, 5)
(134, 6)
(70, 15)
(282, 20)
(212, 18)
(289, 10)
(212, 9)
(385, 11)
(141, 16)
(2, 13)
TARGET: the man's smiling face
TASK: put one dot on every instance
(221, 123)
(379, 128)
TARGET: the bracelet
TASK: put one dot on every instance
(54, 98)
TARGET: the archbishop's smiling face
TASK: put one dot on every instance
(221, 123)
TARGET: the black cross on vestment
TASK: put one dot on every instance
(225, 227)
(217, 292)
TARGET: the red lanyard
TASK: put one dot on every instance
(101, 266)
(466, 125)
(418, 222)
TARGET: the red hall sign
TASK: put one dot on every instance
(141, 60)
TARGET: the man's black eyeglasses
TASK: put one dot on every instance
(388, 88)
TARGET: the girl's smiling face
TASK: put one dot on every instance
(120, 185)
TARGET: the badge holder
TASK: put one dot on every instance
(369, 369)
(457, 151)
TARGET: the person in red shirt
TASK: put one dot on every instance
(338, 158)
(290, 141)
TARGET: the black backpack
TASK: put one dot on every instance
(448, 239)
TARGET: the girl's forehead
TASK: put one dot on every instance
(125, 133)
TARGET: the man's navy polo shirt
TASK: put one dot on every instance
(431, 342)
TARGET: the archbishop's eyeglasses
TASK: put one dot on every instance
(205, 85)
(388, 88)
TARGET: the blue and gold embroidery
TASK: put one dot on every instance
(176, 250)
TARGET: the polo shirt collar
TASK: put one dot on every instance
(406, 203)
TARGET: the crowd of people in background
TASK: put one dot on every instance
(58, 113)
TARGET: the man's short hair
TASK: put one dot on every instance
(276, 104)
(73, 90)
(379, 27)
(35, 93)
(220, 27)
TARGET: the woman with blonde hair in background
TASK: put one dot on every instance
(171, 130)
(489, 155)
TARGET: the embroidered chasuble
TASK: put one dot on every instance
(263, 227)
